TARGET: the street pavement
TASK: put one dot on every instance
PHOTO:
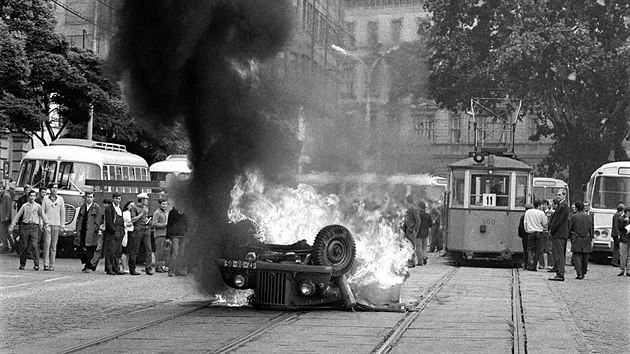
(56, 311)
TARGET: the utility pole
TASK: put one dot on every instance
(94, 34)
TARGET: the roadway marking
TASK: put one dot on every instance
(9, 276)
(31, 283)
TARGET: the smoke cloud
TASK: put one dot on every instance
(196, 61)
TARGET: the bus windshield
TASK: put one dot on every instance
(70, 175)
(609, 191)
(548, 193)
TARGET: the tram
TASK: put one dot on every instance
(487, 197)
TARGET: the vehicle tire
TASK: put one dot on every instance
(334, 247)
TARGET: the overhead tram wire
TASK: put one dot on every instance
(74, 12)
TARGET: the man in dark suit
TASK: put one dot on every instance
(88, 227)
(112, 236)
(559, 229)
(581, 230)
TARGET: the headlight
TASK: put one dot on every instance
(604, 233)
(239, 281)
(307, 288)
(251, 257)
(596, 233)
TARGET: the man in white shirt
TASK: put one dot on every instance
(55, 210)
(535, 222)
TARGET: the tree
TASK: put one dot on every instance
(568, 60)
(44, 79)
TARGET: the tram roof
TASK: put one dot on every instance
(500, 162)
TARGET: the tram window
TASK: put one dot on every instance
(458, 190)
(521, 191)
(489, 190)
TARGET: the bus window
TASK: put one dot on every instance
(72, 175)
(521, 191)
(458, 190)
(611, 191)
(489, 190)
(26, 172)
(44, 173)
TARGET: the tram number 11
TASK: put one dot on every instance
(489, 199)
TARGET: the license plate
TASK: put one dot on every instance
(239, 264)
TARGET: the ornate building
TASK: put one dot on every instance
(413, 136)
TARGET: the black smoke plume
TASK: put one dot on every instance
(193, 60)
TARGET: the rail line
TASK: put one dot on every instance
(138, 328)
(519, 341)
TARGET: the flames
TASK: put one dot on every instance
(286, 215)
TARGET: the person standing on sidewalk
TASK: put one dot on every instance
(523, 235)
(140, 219)
(88, 224)
(55, 210)
(581, 231)
(559, 229)
(624, 242)
(535, 222)
(159, 222)
(127, 238)
(410, 227)
(33, 221)
(614, 233)
(423, 233)
(176, 229)
(5, 219)
(113, 235)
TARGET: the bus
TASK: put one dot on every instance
(487, 197)
(608, 187)
(73, 163)
(546, 188)
(174, 167)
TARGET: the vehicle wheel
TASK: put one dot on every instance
(334, 246)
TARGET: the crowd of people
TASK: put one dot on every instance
(547, 230)
(109, 231)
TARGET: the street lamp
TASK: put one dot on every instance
(369, 70)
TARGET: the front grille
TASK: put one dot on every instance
(271, 288)
(70, 211)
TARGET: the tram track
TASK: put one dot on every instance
(517, 326)
(438, 293)
(137, 328)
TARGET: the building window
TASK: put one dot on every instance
(531, 125)
(375, 82)
(396, 30)
(347, 84)
(456, 128)
(307, 16)
(424, 124)
(372, 32)
(350, 36)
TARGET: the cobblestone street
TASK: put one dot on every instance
(38, 307)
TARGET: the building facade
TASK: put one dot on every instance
(412, 136)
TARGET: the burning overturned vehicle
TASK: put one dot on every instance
(293, 248)
(296, 276)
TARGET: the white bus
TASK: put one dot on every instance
(608, 187)
(174, 167)
(70, 162)
(546, 188)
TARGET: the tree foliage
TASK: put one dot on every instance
(567, 59)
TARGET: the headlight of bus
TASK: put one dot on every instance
(604, 233)
(596, 233)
